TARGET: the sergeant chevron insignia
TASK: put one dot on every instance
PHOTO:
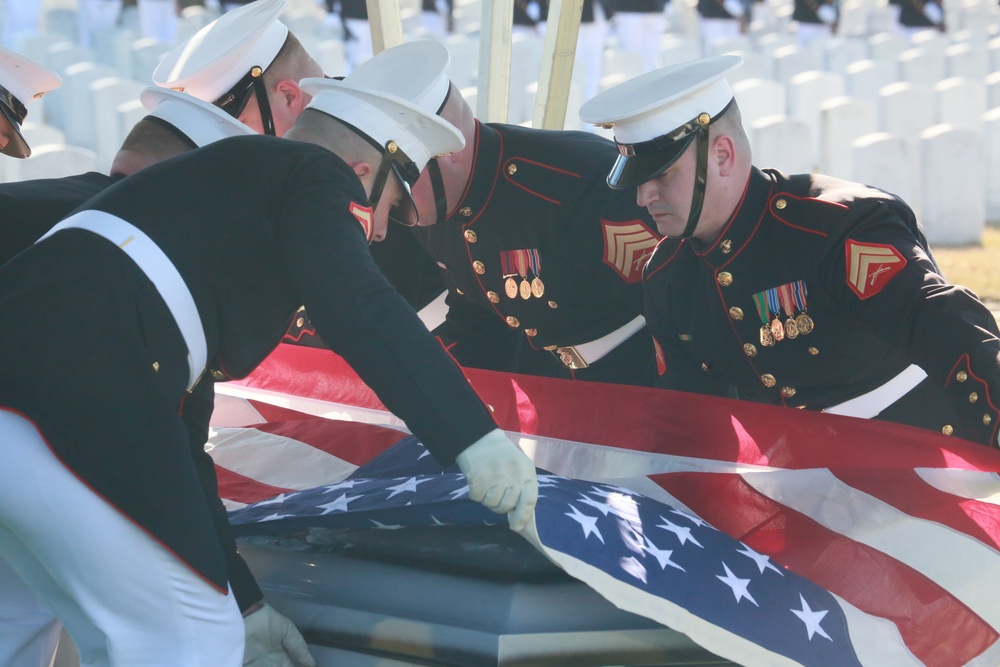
(870, 266)
(627, 246)
(364, 216)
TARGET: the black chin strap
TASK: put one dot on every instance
(266, 120)
(700, 179)
(437, 184)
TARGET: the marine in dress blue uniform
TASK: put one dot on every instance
(542, 260)
(804, 290)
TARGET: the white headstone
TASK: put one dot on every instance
(755, 66)
(39, 134)
(992, 83)
(961, 102)
(952, 168)
(806, 93)
(676, 49)
(921, 66)
(55, 161)
(865, 78)
(991, 137)
(906, 109)
(759, 98)
(789, 61)
(890, 162)
(966, 60)
(839, 53)
(842, 120)
(782, 143)
(853, 19)
(147, 52)
(76, 113)
(886, 46)
(464, 65)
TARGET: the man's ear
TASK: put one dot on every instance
(724, 151)
(290, 95)
(362, 169)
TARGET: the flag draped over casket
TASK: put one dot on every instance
(768, 535)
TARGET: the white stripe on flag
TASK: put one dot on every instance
(311, 406)
(876, 640)
(972, 484)
(275, 460)
(914, 542)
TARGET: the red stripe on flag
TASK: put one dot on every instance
(643, 419)
(234, 486)
(904, 490)
(354, 442)
(938, 629)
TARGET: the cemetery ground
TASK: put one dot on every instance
(975, 267)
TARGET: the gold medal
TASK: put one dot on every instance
(804, 323)
(537, 287)
(766, 339)
(791, 328)
(525, 289)
(510, 287)
(777, 330)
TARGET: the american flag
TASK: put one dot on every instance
(768, 535)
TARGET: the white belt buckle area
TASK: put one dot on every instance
(161, 272)
(870, 404)
(581, 356)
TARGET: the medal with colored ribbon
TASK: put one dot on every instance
(788, 307)
(760, 301)
(508, 264)
(537, 286)
(518, 263)
(803, 322)
(773, 305)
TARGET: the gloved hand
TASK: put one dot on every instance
(501, 477)
(735, 8)
(934, 13)
(534, 11)
(273, 641)
(827, 14)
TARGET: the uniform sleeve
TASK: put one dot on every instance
(882, 276)
(361, 317)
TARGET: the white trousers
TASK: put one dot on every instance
(123, 598)
(716, 28)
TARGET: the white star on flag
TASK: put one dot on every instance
(683, 533)
(338, 505)
(409, 485)
(811, 619)
(661, 555)
(588, 523)
(763, 562)
(738, 585)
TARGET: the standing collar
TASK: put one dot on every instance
(488, 151)
(742, 225)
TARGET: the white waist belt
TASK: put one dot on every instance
(160, 271)
(581, 356)
(875, 401)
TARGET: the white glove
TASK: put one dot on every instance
(734, 7)
(273, 641)
(500, 477)
(933, 12)
(827, 14)
(534, 11)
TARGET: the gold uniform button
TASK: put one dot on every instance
(973, 397)
(217, 375)
(768, 380)
(553, 305)
(466, 211)
(471, 236)
(725, 279)
(479, 267)
(513, 322)
(705, 367)
(788, 392)
(947, 429)
(493, 297)
(780, 204)
(736, 313)
(987, 420)
(750, 349)
(459, 291)
(531, 332)
(726, 246)
(813, 351)
(961, 376)
(512, 169)
(299, 322)
(156, 366)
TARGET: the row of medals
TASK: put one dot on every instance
(526, 289)
(791, 328)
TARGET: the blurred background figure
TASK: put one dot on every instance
(357, 32)
(21, 18)
(438, 16)
(93, 15)
(640, 25)
(158, 19)
(590, 46)
(530, 16)
(719, 19)
(815, 18)
(917, 16)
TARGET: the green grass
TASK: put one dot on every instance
(977, 267)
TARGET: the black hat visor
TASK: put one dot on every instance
(14, 112)
(644, 161)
